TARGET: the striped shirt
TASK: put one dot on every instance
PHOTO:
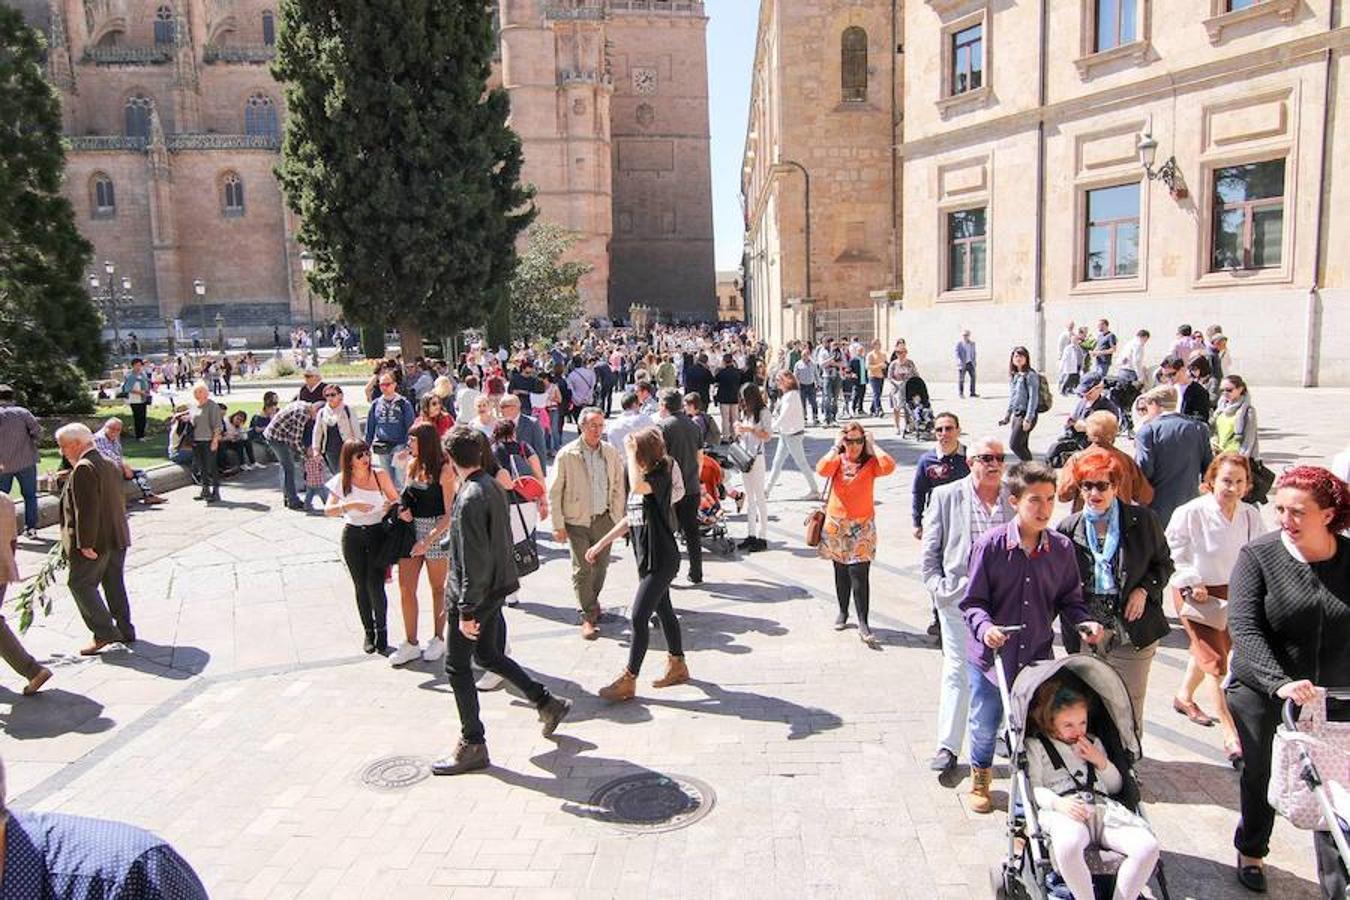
(19, 434)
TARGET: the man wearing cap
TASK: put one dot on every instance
(1092, 398)
(19, 436)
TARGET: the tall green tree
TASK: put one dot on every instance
(543, 293)
(399, 160)
(49, 328)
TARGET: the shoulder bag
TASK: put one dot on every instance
(739, 457)
(1213, 612)
(815, 523)
(524, 553)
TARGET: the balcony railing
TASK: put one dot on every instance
(223, 142)
(673, 7)
(128, 56)
(576, 9)
(239, 53)
(106, 143)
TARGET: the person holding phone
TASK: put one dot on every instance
(360, 494)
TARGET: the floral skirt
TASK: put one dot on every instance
(849, 541)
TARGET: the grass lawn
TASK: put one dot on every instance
(337, 367)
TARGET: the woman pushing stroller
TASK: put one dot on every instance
(1073, 782)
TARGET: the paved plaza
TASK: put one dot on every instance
(240, 725)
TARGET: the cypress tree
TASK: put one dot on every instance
(399, 160)
(49, 328)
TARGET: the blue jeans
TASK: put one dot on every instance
(386, 461)
(961, 373)
(986, 716)
(808, 394)
(877, 384)
(285, 455)
(28, 489)
(555, 429)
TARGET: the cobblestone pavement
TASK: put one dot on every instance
(240, 725)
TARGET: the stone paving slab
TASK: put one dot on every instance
(239, 726)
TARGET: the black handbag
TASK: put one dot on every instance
(1262, 481)
(397, 538)
(526, 553)
(739, 457)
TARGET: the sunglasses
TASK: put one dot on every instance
(989, 459)
(1100, 487)
(361, 454)
(855, 440)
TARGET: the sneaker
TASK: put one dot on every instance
(489, 681)
(435, 650)
(406, 653)
(30, 533)
(943, 761)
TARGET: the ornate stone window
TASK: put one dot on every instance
(103, 200)
(269, 28)
(853, 65)
(137, 116)
(1248, 224)
(164, 26)
(260, 116)
(232, 194)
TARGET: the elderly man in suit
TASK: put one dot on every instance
(958, 514)
(1172, 450)
(95, 535)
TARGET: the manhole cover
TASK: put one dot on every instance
(394, 772)
(651, 802)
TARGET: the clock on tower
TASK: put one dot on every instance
(644, 81)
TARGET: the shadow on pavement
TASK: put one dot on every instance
(1162, 780)
(1196, 876)
(49, 713)
(177, 663)
(754, 590)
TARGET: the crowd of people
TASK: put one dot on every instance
(449, 474)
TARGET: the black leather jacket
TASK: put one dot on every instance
(482, 571)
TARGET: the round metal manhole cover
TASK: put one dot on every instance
(395, 772)
(650, 802)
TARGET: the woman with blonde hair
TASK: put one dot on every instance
(1205, 536)
(1101, 429)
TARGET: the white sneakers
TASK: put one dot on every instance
(406, 653)
(435, 650)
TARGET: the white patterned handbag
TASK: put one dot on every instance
(1328, 745)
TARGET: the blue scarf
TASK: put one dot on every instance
(1104, 576)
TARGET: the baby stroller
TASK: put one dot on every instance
(1066, 445)
(918, 410)
(1123, 390)
(1306, 787)
(712, 518)
(1028, 871)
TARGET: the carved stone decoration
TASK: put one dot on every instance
(59, 67)
(645, 115)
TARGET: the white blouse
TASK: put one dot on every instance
(1205, 544)
(375, 498)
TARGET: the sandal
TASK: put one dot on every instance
(1193, 712)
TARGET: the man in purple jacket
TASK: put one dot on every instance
(1022, 575)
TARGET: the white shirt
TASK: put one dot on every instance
(1132, 356)
(1205, 545)
(466, 407)
(360, 495)
(624, 425)
(789, 415)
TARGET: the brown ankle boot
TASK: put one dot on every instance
(623, 688)
(980, 801)
(676, 673)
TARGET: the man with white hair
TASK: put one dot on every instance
(59, 855)
(95, 535)
(108, 442)
(958, 514)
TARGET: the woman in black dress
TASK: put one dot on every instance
(651, 523)
(1289, 612)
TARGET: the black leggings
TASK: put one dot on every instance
(372, 604)
(853, 579)
(653, 596)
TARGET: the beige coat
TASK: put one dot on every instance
(569, 497)
(9, 533)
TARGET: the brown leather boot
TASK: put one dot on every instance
(980, 800)
(623, 688)
(676, 673)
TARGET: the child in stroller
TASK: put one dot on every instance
(712, 525)
(918, 410)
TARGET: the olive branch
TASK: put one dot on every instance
(36, 592)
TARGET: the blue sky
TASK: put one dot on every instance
(731, 56)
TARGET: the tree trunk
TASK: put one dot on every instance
(499, 325)
(372, 341)
(409, 341)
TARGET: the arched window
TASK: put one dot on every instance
(103, 197)
(269, 28)
(164, 27)
(138, 116)
(232, 194)
(260, 116)
(853, 64)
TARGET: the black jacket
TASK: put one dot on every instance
(729, 381)
(698, 379)
(482, 571)
(683, 439)
(1144, 561)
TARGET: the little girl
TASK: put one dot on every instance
(1062, 792)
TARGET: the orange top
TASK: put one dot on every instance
(852, 498)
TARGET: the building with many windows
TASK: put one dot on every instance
(174, 124)
(1148, 161)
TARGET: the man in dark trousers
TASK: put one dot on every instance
(683, 439)
(95, 535)
(482, 575)
(698, 379)
(605, 381)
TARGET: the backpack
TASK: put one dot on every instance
(1045, 398)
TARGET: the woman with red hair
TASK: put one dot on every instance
(1125, 565)
(1289, 611)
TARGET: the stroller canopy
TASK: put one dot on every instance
(1097, 675)
(916, 387)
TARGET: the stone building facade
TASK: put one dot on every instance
(1025, 202)
(822, 110)
(730, 301)
(174, 124)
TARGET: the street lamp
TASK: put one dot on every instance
(307, 265)
(110, 302)
(1168, 172)
(199, 288)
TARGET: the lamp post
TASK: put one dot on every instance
(110, 302)
(807, 176)
(307, 266)
(199, 288)
(1168, 172)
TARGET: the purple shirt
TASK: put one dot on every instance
(1008, 587)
